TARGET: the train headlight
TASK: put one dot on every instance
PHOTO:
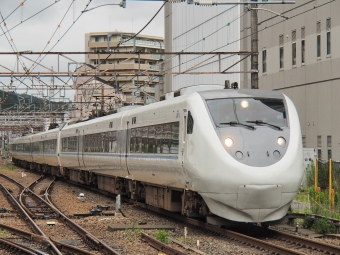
(244, 104)
(229, 142)
(281, 141)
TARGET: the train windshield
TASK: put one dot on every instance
(248, 112)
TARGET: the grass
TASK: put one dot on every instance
(4, 233)
(9, 167)
(302, 197)
(162, 235)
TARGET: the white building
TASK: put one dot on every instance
(192, 28)
(300, 57)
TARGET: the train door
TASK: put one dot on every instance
(187, 130)
(81, 148)
(184, 134)
(127, 146)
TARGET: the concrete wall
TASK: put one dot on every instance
(314, 85)
(192, 28)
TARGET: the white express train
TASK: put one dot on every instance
(232, 153)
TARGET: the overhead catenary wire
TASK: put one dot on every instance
(245, 37)
(12, 12)
(132, 37)
(248, 35)
(23, 21)
(60, 37)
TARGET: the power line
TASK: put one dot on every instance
(30, 17)
(21, 4)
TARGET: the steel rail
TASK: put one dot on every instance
(315, 216)
(24, 234)
(69, 249)
(160, 246)
(19, 249)
(330, 249)
(37, 238)
(214, 229)
(31, 223)
(88, 237)
(223, 232)
(91, 239)
(21, 195)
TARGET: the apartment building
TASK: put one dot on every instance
(300, 56)
(123, 68)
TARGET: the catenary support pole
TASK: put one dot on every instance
(254, 48)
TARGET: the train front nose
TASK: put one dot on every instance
(259, 196)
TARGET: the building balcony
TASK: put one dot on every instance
(113, 56)
(144, 43)
(112, 44)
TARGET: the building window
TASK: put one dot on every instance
(281, 41)
(329, 154)
(319, 141)
(97, 38)
(304, 141)
(281, 58)
(294, 47)
(318, 39)
(329, 141)
(319, 153)
(328, 33)
(105, 39)
(303, 45)
(264, 61)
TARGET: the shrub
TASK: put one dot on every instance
(323, 226)
(162, 235)
(308, 223)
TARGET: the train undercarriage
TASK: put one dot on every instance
(186, 202)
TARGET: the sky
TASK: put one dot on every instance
(33, 34)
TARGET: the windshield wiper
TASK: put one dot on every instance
(260, 122)
(234, 123)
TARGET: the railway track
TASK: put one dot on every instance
(38, 213)
(273, 242)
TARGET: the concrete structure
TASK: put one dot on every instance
(192, 28)
(150, 59)
(300, 57)
(89, 100)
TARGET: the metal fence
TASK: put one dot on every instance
(323, 189)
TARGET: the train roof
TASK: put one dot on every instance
(228, 93)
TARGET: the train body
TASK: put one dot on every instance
(236, 154)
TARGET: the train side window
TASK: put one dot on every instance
(139, 140)
(158, 136)
(145, 139)
(110, 142)
(166, 138)
(174, 138)
(190, 124)
(64, 144)
(133, 140)
(152, 139)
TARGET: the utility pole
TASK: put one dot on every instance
(254, 48)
